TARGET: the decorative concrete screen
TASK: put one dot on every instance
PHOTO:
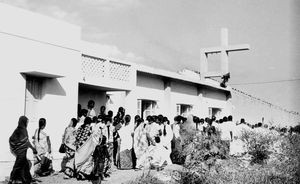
(92, 66)
(107, 73)
(119, 71)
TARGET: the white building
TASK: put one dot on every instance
(46, 71)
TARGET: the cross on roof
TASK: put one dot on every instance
(224, 50)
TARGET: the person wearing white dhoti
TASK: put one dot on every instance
(237, 146)
(166, 138)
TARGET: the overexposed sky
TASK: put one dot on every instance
(170, 33)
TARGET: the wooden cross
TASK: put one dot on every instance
(224, 50)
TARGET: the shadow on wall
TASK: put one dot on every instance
(53, 87)
(38, 86)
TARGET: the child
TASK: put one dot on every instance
(100, 155)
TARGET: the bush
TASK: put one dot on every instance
(258, 145)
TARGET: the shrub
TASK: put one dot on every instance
(258, 145)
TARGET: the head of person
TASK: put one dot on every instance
(102, 109)
(166, 121)
(209, 122)
(213, 118)
(42, 123)
(91, 104)
(155, 119)
(229, 118)
(110, 113)
(136, 117)
(150, 119)
(220, 121)
(87, 121)
(84, 112)
(74, 122)
(23, 122)
(195, 119)
(177, 119)
(95, 120)
(127, 119)
(122, 111)
(243, 121)
(206, 119)
(225, 119)
(266, 126)
(259, 124)
(157, 139)
(160, 119)
(201, 121)
(139, 121)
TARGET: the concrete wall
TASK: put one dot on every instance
(168, 93)
(182, 93)
(253, 111)
(28, 45)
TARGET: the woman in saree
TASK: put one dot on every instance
(87, 138)
(43, 158)
(140, 144)
(68, 140)
(126, 144)
(19, 143)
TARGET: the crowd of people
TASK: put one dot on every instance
(96, 144)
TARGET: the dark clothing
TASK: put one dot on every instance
(116, 145)
(19, 144)
(133, 156)
(21, 170)
(100, 157)
(211, 130)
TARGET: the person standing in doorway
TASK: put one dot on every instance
(91, 111)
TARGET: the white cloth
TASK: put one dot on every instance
(176, 130)
(225, 131)
(91, 113)
(108, 132)
(125, 136)
(152, 129)
(158, 155)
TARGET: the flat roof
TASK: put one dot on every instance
(181, 77)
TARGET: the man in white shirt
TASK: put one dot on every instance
(91, 111)
(225, 134)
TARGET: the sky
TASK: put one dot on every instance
(168, 34)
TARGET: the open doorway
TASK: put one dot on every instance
(184, 109)
(214, 111)
(111, 98)
(146, 108)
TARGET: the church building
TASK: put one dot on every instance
(47, 70)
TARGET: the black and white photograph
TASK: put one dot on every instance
(150, 91)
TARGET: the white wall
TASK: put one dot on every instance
(182, 93)
(253, 111)
(31, 42)
(153, 88)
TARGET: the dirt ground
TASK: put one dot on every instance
(117, 177)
